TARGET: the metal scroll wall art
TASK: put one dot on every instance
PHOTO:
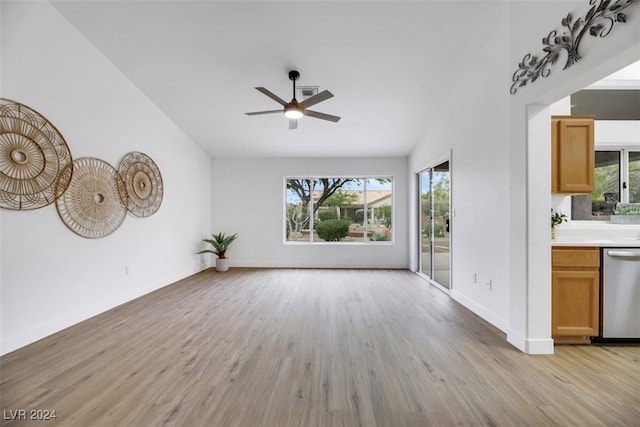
(92, 198)
(598, 21)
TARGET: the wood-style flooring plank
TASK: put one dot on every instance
(308, 347)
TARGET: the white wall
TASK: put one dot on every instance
(50, 277)
(248, 199)
(529, 139)
(474, 126)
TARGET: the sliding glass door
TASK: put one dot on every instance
(424, 180)
(435, 254)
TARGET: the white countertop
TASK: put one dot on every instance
(614, 242)
(594, 233)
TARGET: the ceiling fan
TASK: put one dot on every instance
(294, 110)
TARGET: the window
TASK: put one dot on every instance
(634, 176)
(617, 179)
(338, 209)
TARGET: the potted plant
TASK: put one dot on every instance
(557, 218)
(220, 243)
(626, 213)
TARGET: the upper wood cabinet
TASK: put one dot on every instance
(572, 154)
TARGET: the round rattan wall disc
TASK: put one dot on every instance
(141, 184)
(91, 207)
(33, 155)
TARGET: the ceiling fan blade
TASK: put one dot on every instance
(255, 113)
(293, 124)
(272, 95)
(322, 96)
(322, 116)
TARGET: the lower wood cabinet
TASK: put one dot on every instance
(575, 293)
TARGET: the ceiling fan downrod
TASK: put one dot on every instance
(293, 110)
(293, 76)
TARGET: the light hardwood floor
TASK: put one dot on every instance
(297, 347)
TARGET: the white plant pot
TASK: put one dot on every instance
(222, 264)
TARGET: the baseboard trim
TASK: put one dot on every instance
(539, 346)
(529, 345)
(373, 266)
(481, 311)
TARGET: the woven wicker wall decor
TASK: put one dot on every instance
(92, 198)
(91, 207)
(33, 156)
(140, 185)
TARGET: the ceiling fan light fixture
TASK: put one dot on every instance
(292, 112)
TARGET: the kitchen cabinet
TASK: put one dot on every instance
(575, 293)
(572, 154)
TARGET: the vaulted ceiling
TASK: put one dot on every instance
(390, 65)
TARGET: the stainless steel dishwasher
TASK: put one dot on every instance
(621, 293)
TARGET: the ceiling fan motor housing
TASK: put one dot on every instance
(293, 110)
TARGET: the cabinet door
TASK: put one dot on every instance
(574, 300)
(573, 149)
(555, 127)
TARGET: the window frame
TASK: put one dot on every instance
(623, 151)
(365, 240)
(623, 157)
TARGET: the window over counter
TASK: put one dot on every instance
(617, 179)
(338, 210)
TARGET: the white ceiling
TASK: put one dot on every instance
(389, 64)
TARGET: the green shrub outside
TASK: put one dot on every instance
(328, 214)
(333, 230)
(378, 237)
